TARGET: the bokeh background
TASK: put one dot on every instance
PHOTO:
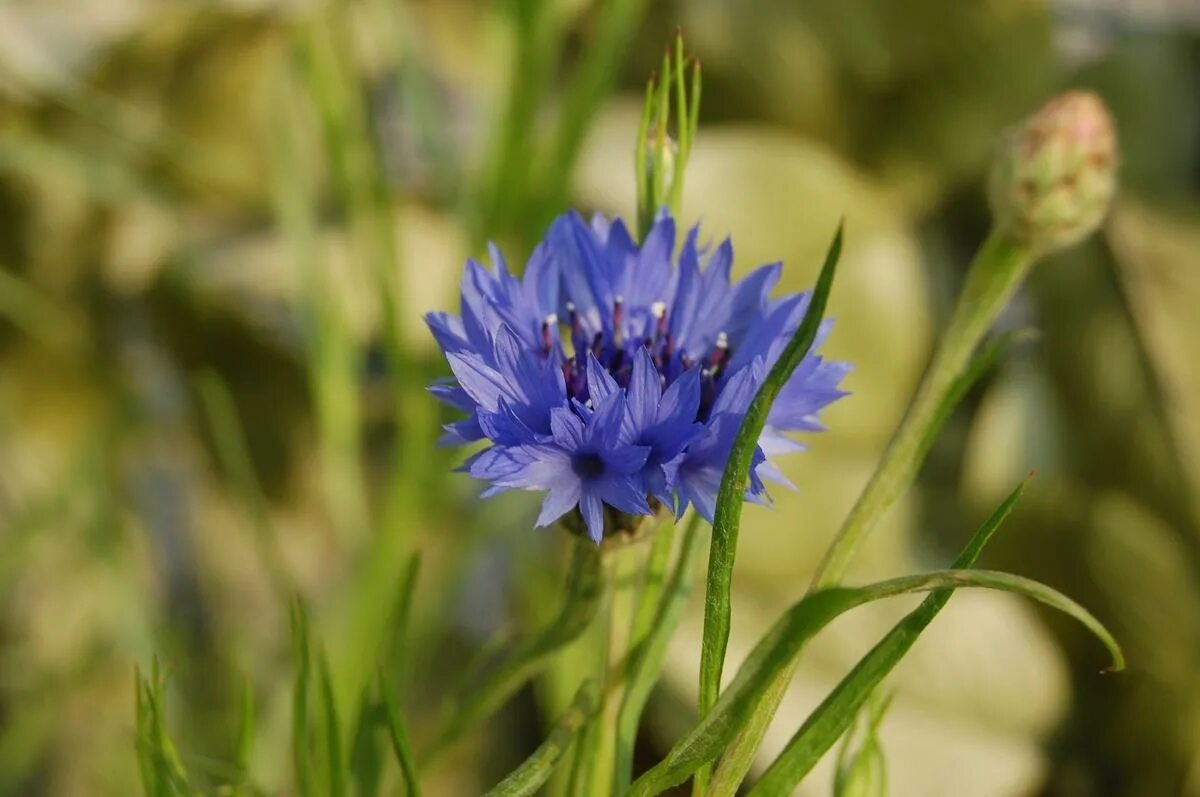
(220, 223)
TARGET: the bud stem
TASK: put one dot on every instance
(993, 277)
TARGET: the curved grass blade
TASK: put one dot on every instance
(536, 770)
(399, 737)
(709, 737)
(736, 761)
(712, 734)
(835, 714)
(513, 665)
(732, 494)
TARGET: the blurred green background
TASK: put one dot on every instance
(220, 223)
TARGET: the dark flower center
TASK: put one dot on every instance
(587, 466)
(616, 352)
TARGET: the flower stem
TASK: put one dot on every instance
(992, 278)
(623, 577)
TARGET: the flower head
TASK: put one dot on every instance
(1054, 180)
(617, 374)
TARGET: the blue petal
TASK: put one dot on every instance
(567, 429)
(624, 493)
(592, 508)
(559, 501)
(643, 393)
(600, 383)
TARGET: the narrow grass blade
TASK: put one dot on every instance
(245, 739)
(399, 737)
(583, 96)
(336, 763)
(647, 658)
(144, 737)
(161, 769)
(516, 663)
(709, 737)
(732, 493)
(863, 772)
(835, 714)
(233, 454)
(536, 770)
(736, 761)
(301, 754)
(713, 733)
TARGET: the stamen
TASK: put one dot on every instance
(717, 356)
(618, 318)
(547, 337)
(659, 311)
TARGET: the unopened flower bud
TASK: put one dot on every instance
(1056, 174)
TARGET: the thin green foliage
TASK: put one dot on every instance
(830, 720)
(512, 665)
(398, 733)
(301, 752)
(736, 761)
(533, 773)
(233, 453)
(159, 765)
(863, 772)
(654, 581)
(732, 493)
(587, 86)
(783, 643)
(336, 763)
(994, 275)
(646, 658)
(660, 158)
(245, 740)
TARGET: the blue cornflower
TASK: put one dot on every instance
(617, 374)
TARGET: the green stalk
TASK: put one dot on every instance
(598, 749)
(993, 277)
(646, 658)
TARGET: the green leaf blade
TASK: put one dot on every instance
(536, 770)
(515, 664)
(731, 496)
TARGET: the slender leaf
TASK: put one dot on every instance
(245, 739)
(736, 761)
(514, 664)
(536, 770)
(835, 714)
(727, 520)
(333, 733)
(233, 454)
(709, 737)
(301, 755)
(864, 773)
(399, 737)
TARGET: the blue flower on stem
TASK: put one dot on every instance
(616, 374)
